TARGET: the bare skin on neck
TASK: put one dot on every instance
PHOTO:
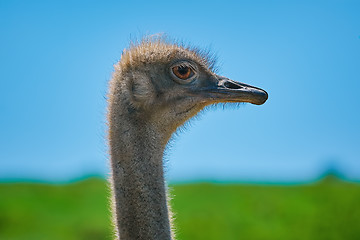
(156, 87)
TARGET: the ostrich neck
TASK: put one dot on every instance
(136, 150)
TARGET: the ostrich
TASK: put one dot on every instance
(157, 86)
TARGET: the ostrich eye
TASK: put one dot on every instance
(183, 72)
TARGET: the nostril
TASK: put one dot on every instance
(232, 85)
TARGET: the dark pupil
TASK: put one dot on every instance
(183, 70)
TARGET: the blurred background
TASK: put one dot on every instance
(288, 169)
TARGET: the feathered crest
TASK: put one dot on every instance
(160, 43)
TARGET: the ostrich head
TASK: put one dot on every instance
(167, 84)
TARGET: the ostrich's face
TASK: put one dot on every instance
(172, 84)
(204, 86)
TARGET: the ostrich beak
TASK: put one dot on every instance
(226, 90)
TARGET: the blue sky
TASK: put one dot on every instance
(57, 57)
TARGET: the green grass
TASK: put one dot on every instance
(329, 210)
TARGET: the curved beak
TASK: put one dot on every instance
(226, 90)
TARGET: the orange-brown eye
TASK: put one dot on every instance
(183, 72)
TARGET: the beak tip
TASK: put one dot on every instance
(265, 97)
(260, 98)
